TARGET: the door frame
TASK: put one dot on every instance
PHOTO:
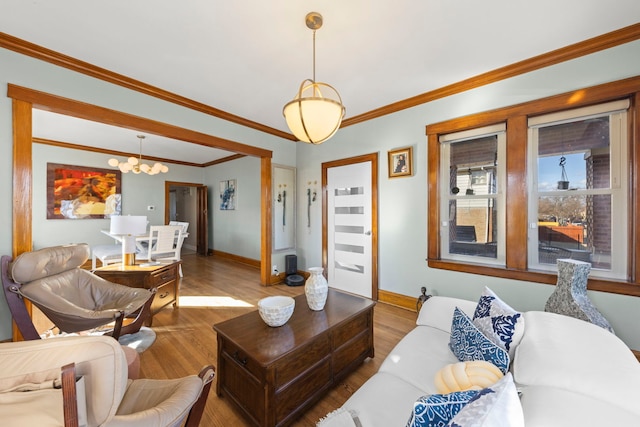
(25, 99)
(373, 158)
(202, 236)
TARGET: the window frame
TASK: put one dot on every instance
(516, 191)
(618, 189)
(499, 131)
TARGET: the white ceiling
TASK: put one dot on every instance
(248, 57)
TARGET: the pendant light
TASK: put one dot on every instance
(136, 166)
(316, 112)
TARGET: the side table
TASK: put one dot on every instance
(164, 277)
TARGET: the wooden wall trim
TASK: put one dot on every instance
(593, 45)
(398, 300)
(237, 258)
(41, 53)
(83, 110)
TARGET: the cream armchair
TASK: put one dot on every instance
(111, 399)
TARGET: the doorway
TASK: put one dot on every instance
(350, 215)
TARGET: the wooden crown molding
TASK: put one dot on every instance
(35, 51)
(586, 47)
(593, 45)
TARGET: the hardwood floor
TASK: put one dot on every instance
(213, 290)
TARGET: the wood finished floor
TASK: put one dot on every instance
(213, 290)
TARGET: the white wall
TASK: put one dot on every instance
(403, 209)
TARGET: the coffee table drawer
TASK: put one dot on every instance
(296, 363)
(347, 331)
(313, 383)
(355, 351)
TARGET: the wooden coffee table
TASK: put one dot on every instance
(272, 375)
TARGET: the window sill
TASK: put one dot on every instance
(594, 284)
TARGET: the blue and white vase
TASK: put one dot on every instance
(316, 289)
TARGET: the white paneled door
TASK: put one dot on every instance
(349, 228)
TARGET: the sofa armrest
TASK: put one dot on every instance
(437, 311)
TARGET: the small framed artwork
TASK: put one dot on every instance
(401, 162)
(80, 192)
(228, 195)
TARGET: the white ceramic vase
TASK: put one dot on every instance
(316, 289)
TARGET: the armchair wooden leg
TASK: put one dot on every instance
(69, 395)
(195, 414)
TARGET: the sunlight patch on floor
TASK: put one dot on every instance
(212, 301)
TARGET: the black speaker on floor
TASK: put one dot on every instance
(291, 270)
(290, 264)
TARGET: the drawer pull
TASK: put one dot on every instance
(167, 277)
(164, 295)
(242, 361)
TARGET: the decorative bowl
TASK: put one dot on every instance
(276, 310)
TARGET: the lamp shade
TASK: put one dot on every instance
(128, 225)
(313, 116)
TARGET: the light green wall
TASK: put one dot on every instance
(402, 201)
(24, 71)
(236, 231)
(403, 209)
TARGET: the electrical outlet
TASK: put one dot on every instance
(274, 269)
(151, 208)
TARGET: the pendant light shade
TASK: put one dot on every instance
(316, 112)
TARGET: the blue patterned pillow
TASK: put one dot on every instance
(469, 343)
(437, 410)
(498, 321)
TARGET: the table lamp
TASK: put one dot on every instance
(128, 228)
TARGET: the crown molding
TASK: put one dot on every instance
(38, 52)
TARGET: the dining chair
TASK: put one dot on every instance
(164, 243)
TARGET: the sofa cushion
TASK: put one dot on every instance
(468, 343)
(398, 397)
(436, 410)
(552, 406)
(494, 406)
(498, 321)
(418, 356)
(571, 354)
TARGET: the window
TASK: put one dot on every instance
(512, 190)
(472, 207)
(578, 189)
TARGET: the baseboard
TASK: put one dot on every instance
(237, 258)
(398, 300)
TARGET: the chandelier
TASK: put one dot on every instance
(315, 114)
(135, 165)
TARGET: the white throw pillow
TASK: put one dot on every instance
(498, 321)
(495, 406)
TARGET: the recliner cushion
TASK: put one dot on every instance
(46, 262)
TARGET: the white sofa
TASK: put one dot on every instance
(569, 372)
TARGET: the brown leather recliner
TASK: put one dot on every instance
(74, 299)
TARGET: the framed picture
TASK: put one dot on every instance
(228, 195)
(401, 162)
(79, 192)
